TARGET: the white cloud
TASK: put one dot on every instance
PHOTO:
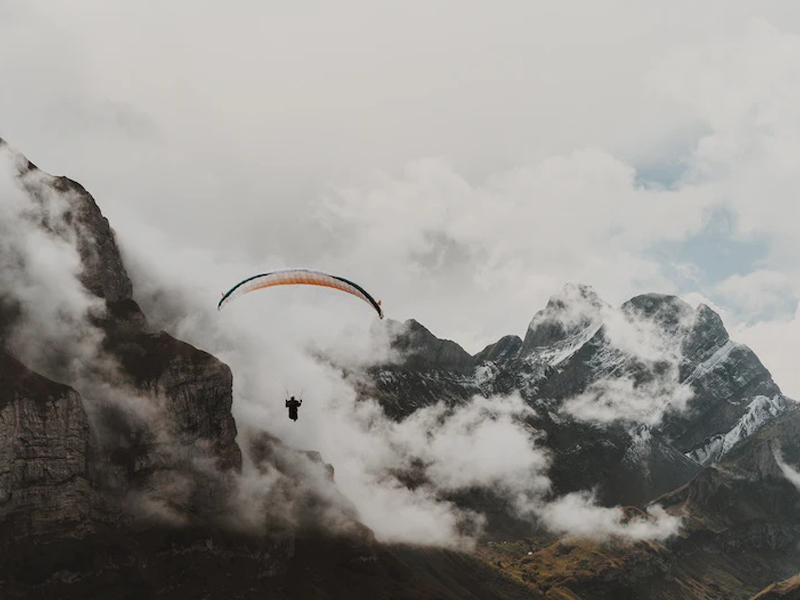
(791, 474)
(38, 255)
(230, 144)
(478, 445)
(577, 515)
(635, 339)
(758, 292)
(579, 217)
(777, 343)
(621, 399)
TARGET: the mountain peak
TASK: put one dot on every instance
(707, 334)
(506, 347)
(570, 311)
(421, 348)
(65, 208)
(667, 310)
(574, 292)
(23, 165)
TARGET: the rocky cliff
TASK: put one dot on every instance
(121, 473)
(151, 407)
(46, 486)
(139, 436)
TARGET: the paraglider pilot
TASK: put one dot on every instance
(292, 405)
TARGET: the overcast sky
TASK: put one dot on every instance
(461, 160)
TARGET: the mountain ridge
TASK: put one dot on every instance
(109, 489)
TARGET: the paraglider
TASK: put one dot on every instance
(293, 405)
(299, 277)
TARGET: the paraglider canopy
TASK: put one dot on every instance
(299, 277)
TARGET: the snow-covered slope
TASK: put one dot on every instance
(760, 410)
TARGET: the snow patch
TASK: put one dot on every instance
(563, 349)
(712, 361)
(760, 410)
(640, 448)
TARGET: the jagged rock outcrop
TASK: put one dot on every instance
(788, 589)
(192, 388)
(129, 462)
(104, 273)
(423, 371)
(776, 443)
(420, 349)
(303, 496)
(506, 347)
(179, 428)
(567, 314)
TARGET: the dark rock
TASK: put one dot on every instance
(418, 348)
(574, 309)
(670, 313)
(303, 495)
(505, 348)
(46, 487)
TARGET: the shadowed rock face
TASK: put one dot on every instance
(300, 475)
(182, 447)
(171, 420)
(420, 349)
(46, 485)
(193, 388)
(505, 348)
(104, 273)
(131, 464)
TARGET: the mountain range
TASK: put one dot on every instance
(120, 458)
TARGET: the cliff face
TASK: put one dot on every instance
(180, 427)
(147, 416)
(46, 485)
(155, 411)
